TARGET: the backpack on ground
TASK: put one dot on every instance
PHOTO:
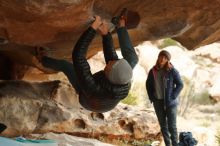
(186, 139)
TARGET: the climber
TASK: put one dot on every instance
(102, 91)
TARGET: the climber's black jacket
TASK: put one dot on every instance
(96, 93)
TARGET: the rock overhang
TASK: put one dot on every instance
(58, 24)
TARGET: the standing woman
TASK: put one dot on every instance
(163, 87)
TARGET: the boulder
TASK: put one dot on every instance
(60, 22)
(57, 24)
(53, 106)
(68, 140)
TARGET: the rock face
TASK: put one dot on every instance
(210, 68)
(68, 140)
(42, 107)
(56, 24)
(42, 22)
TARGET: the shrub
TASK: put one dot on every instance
(131, 99)
(205, 123)
(168, 42)
(140, 142)
(203, 97)
(218, 110)
(217, 136)
(137, 95)
(187, 96)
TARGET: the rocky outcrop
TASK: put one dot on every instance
(57, 24)
(68, 140)
(42, 107)
(208, 58)
(45, 22)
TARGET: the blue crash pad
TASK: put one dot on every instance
(25, 142)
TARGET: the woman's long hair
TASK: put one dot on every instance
(167, 66)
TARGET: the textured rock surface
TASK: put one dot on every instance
(68, 140)
(42, 22)
(57, 23)
(210, 68)
(53, 106)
